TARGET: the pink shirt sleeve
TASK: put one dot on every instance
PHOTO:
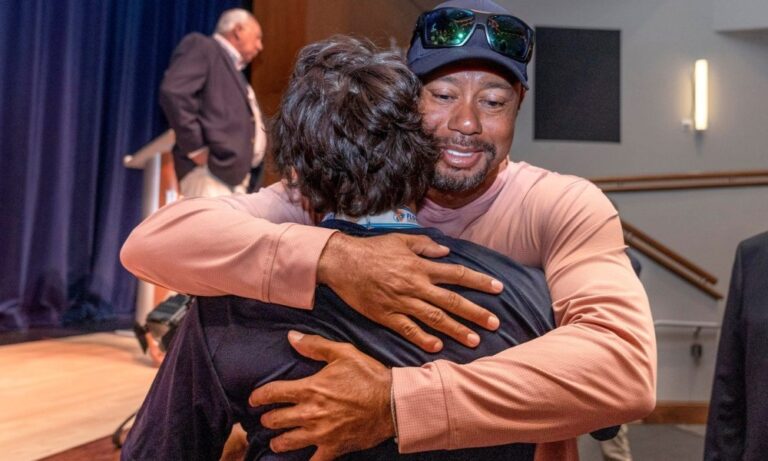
(249, 245)
(597, 369)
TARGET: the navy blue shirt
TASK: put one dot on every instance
(227, 346)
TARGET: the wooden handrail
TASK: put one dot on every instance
(663, 255)
(680, 181)
(648, 251)
(669, 253)
(666, 186)
(687, 176)
(670, 260)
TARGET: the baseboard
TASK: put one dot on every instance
(671, 412)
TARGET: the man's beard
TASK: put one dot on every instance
(445, 182)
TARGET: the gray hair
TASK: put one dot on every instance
(230, 18)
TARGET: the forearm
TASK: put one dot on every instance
(574, 380)
(210, 247)
(596, 369)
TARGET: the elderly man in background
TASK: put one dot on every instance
(220, 138)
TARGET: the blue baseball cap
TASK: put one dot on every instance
(424, 61)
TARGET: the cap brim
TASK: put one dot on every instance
(438, 58)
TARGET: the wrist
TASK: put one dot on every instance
(331, 257)
(393, 407)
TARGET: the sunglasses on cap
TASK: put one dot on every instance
(453, 27)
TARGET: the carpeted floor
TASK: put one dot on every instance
(655, 442)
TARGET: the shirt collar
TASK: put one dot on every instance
(401, 218)
(234, 55)
(454, 221)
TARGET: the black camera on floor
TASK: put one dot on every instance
(163, 321)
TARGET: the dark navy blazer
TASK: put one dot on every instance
(737, 428)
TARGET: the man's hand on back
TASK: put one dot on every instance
(342, 408)
(388, 280)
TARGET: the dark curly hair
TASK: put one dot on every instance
(348, 133)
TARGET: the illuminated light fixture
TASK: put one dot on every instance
(700, 95)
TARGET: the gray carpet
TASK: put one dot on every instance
(654, 442)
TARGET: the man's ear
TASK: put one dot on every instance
(236, 31)
(523, 92)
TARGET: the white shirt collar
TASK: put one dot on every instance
(237, 58)
(401, 218)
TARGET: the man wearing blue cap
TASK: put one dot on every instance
(596, 369)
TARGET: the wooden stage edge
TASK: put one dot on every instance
(99, 450)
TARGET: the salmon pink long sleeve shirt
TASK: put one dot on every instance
(596, 369)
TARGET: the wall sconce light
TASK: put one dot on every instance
(700, 95)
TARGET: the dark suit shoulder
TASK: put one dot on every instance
(197, 37)
(197, 40)
(755, 244)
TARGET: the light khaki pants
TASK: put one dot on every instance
(200, 182)
(617, 449)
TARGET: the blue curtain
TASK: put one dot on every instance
(78, 90)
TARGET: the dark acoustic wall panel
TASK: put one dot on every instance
(578, 85)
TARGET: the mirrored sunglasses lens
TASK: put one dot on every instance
(448, 27)
(508, 36)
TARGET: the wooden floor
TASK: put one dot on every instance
(61, 393)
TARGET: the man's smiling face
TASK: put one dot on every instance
(471, 111)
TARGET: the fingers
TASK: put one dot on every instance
(424, 246)
(277, 392)
(292, 440)
(311, 346)
(316, 347)
(411, 331)
(456, 274)
(440, 321)
(286, 417)
(455, 304)
(324, 454)
(401, 292)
